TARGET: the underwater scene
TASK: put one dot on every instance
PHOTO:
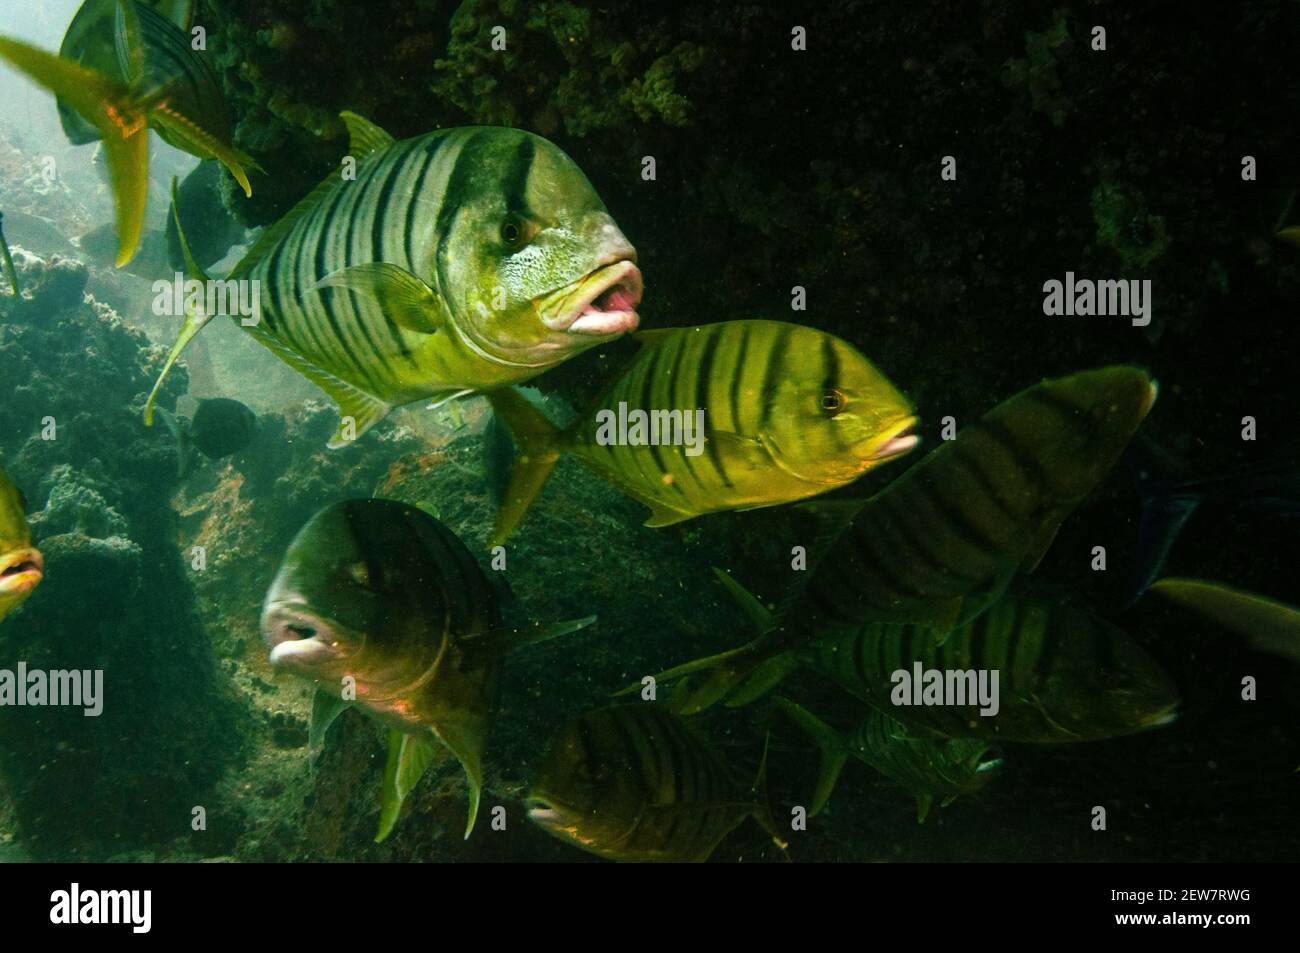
(491, 431)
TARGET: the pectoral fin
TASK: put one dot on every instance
(325, 707)
(466, 743)
(403, 297)
(408, 758)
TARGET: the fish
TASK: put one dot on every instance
(11, 273)
(221, 427)
(21, 564)
(1065, 673)
(930, 768)
(456, 262)
(941, 543)
(1267, 624)
(636, 782)
(779, 412)
(1170, 497)
(384, 609)
(153, 79)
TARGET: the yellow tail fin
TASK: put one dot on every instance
(122, 126)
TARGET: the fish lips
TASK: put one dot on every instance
(21, 571)
(605, 301)
(898, 440)
(298, 639)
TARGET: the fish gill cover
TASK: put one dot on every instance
(830, 380)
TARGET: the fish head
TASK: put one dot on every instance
(533, 266)
(1080, 424)
(347, 598)
(584, 793)
(1104, 684)
(21, 565)
(977, 762)
(834, 416)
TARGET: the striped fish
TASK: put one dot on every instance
(636, 783)
(459, 261)
(129, 69)
(788, 412)
(930, 768)
(1064, 673)
(21, 564)
(940, 544)
(382, 594)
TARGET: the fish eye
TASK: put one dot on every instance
(360, 574)
(833, 401)
(514, 232)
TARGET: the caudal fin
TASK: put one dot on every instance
(539, 451)
(833, 750)
(120, 120)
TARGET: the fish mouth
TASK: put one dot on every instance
(603, 303)
(543, 812)
(21, 571)
(1165, 717)
(897, 441)
(297, 638)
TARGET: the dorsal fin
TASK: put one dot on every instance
(364, 137)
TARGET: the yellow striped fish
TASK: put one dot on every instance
(459, 261)
(941, 543)
(1064, 673)
(930, 768)
(130, 69)
(636, 783)
(21, 564)
(733, 416)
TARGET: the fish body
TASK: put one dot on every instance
(1170, 497)
(1267, 624)
(151, 79)
(383, 608)
(930, 768)
(1064, 673)
(635, 782)
(940, 544)
(220, 428)
(734, 416)
(455, 262)
(21, 565)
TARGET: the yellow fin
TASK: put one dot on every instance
(364, 137)
(121, 123)
(539, 452)
(194, 322)
(403, 297)
(409, 757)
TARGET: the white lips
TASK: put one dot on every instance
(301, 652)
(26, 579)
(587, 318)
